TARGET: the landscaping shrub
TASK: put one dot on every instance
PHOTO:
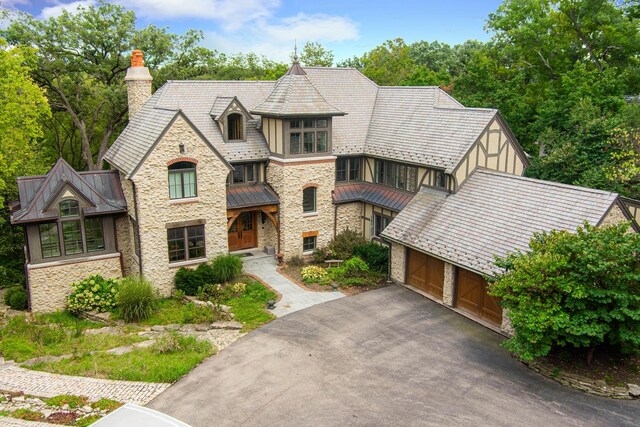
(206, 274)
(354, 267)
(187, 281)
(93, 293)
(376, 256)
(342, 245)
(67, 399)
(136, 299)
(226, 268)
(220, 293)
(16, 298)
(314, 274)
(573, 289)
(320, 255)
(295, 261)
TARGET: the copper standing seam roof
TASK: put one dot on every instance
(375, 194)
(244, 196)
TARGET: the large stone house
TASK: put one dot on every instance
(207, 167)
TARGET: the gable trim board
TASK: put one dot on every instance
(179, 113)
(625, 211)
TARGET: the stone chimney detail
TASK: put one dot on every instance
(138, 80)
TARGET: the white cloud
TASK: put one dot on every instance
(10, 3)
(231, 14)
(58, 7)
(276, 40)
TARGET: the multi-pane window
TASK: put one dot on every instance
(94, 234)
(309, 243)
(243, 173)
(440, 179)
(235, 127)
(186, 243)
(309, 200)
(380, 222)
(182, 180)
(72, 237)
(348, 169)
(396, 175)
(49, 241)
(72, 234)
(308, 136)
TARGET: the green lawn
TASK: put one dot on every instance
(250, 307)
(173, 311)
(145, 364)
(54, 335)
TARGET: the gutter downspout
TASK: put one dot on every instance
(137, 230)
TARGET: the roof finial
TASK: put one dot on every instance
(295, 50)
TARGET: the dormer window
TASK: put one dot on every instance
(69, 208)
(235, 127)
(309, 136)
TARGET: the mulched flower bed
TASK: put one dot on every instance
(293, 272)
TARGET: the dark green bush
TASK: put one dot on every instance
(206, 274)
(188, 281)
(16, 298)
(136, 299)
(376, 256)
(225, 268)
(341, 247)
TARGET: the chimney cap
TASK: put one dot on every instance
(137, 58)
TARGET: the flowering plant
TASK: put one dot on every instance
(313, 274)
(93, 293)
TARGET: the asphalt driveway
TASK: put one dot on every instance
(385, 357)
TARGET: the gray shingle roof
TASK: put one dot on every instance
(410, 124)
(493, 214)
(415, 124)
(100, 188)
(295, 95)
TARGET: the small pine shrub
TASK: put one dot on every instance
(225, 268)
(16, 298)
(136, 299)
(376, 256)
(93, 293)
(342, 245)
(314, 274)
(206, 274)
(295, 261)
(187, 281)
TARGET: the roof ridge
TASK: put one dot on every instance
(219, 81)
(465, 108)
(320, 93)
(544, 182)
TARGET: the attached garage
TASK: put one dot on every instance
(426, 273)
(472, 297)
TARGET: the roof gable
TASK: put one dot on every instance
(493, 214)
(39, 198)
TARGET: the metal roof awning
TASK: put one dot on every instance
(374, 194)
(244, 196)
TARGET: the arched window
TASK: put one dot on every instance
(182, 180)
(309, 200)
(235, 129)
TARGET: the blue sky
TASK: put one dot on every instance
(270, 27)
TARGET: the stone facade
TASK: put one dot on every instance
(138, 80)
(156, 210)
(398, 262)
(349, 217)
(614, 216)
(267, 233)
(289, 179)
(449, 284)
(49, 283)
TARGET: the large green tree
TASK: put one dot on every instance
(573, 289)
(22, 107)
(313, 54)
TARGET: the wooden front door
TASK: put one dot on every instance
(473, 298)
(242, 234)
(425, 273)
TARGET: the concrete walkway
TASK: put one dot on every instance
(294, 297)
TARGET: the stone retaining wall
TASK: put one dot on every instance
(579, 382)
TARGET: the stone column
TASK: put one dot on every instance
(449, 284)
(138, 81)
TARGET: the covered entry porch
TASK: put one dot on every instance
(252, 218)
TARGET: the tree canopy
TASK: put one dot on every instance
(571, 289)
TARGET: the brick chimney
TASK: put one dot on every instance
(138, 80)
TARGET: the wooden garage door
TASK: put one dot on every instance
(425, 273)
(472, 297)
